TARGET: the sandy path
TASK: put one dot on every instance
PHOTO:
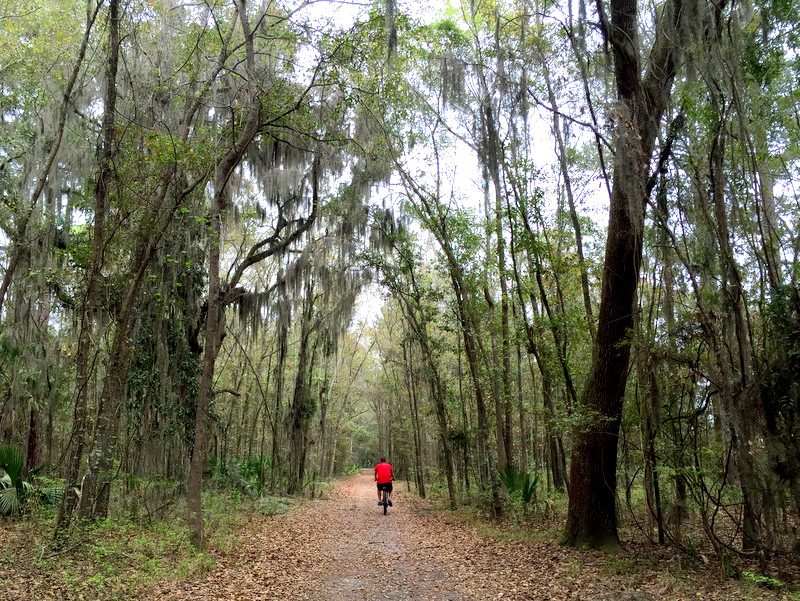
(375, 556)
(342, 548)
(337, 548)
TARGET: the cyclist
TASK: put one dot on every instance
(384, 474)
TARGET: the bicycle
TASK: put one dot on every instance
(385, 501)
(384, 475)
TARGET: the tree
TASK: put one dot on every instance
(642, 101)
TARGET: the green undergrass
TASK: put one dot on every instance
(120, 559)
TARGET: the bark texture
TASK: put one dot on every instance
(592, 520)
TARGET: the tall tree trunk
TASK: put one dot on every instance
(490, 156)
(505, 425)
(464, 421)
(736, 377)
(668, 313)
(523, 431)
(104, 178)
(277, 414)
(324, 403)
(591, 519)
(419, 327)
(497, 393)
(213, 339)
(215, 322)
(302, 407)
(486, 463)
(556, 456)
(411, 386)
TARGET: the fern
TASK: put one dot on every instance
(13, 489)
(11, 464)
(529, 487)
(513, 478)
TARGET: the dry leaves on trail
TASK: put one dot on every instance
(343, 548)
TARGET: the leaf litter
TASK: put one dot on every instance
(341, 547)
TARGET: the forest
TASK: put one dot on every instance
(541, 254)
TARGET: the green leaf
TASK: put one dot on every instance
(529, 487)
(11, 464)
(512, 477)
(10, 502)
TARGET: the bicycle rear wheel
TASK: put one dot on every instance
(385, 501)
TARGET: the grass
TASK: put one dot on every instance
(120, 559)
(760, 581)
(621, 565)
(115, 559)
(542, 523)
(510, 530)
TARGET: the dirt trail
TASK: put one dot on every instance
(337, 548)
(371, 555)
(343, 548)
